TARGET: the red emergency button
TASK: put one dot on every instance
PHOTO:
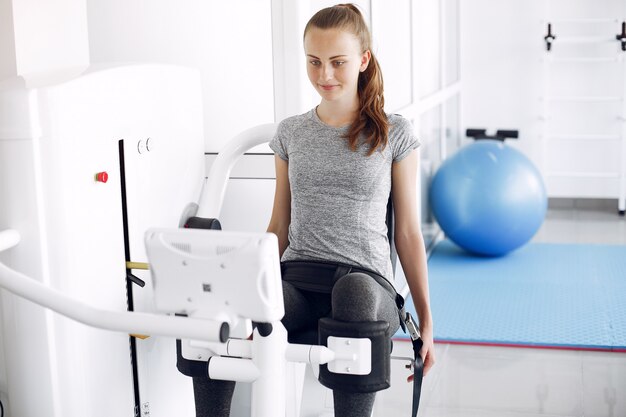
(102, 176)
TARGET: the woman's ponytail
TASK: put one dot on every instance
(372, 119)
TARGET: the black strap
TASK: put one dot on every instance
(418, 375)
(410, 327)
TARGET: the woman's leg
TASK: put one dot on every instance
(212, 397)
(358, 297)
(303, 309)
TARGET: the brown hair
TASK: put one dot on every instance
(371, 121)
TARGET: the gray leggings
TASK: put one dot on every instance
(355, 297)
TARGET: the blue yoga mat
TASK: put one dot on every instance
(542, 295)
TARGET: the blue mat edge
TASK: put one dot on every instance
(400, 336)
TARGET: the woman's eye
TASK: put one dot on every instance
(339, 63)
(314, 63)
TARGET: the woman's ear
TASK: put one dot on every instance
(365, 60)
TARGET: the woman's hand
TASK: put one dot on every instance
(427, 352)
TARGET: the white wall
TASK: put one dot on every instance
(38, 36)
(391, 30)
(501, 67)
(8, 65)
(229, 42)
(560, 101)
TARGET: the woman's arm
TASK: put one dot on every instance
(411, 249)
(281, 212)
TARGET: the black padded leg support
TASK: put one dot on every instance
(379, 378)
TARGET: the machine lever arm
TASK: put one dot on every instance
(213, 193)
(122, 321)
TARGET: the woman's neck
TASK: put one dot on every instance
(336, 114)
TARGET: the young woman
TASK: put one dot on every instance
(335, 168)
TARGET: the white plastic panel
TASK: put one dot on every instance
(164, 173)
(352, 356)
(72, 233)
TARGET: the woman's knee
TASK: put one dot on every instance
(356, 297)
(356, 284)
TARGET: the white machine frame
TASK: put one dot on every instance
(232, 261)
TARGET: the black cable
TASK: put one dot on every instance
(1, 409)
(129, 286)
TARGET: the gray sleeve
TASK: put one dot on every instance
(401, 138)
(279, 143)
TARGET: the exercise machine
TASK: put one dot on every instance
(218, 280)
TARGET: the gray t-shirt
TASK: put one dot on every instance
(339, 196)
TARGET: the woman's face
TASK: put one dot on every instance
(334, 61)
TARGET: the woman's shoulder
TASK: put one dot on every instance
(400, 128)
(402, 137)
(293, 122)
(399, 122)
(286, 133)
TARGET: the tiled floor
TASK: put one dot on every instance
(477, 381)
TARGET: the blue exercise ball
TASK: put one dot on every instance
(488, 198)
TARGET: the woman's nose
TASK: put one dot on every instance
(326, 73)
